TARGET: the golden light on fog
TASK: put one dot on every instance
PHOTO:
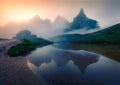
(20, 15)
(19, 10)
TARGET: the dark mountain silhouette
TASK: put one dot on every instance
(82, 21)
(110, 35)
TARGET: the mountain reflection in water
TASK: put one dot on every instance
(71, 67)
(111, 51)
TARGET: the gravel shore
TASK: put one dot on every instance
(14, 71)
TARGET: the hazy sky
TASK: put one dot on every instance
(105, 11)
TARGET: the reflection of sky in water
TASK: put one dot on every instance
(58, 66)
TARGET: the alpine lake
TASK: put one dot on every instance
(76, 64)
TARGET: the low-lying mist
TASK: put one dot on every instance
(42, 28)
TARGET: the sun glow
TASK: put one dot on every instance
(19, 15)
(18, 10)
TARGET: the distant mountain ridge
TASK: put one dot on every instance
(82, 21)
(110, 35)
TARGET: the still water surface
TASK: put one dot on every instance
(73, 67)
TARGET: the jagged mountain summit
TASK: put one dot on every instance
(81, 14)
(82, 21)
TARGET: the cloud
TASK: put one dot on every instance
(42, 28)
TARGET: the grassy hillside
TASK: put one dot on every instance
(110, 35)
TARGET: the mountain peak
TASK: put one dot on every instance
(82, 13)
(81, 21)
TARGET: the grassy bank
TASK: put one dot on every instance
(21, 49)
(110, 35)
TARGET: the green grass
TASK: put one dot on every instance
(21, 49)
(110, 35)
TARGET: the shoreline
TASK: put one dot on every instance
(15, 71)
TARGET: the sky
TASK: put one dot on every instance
(106, 12)
(19, 10)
